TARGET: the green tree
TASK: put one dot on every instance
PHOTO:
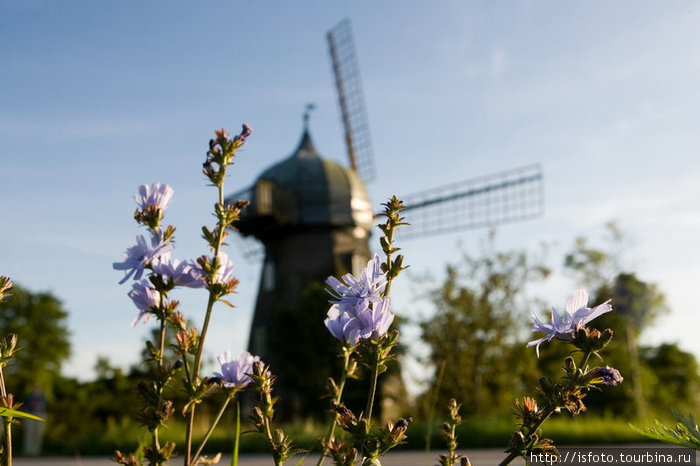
(477, 329)
(676, 378)
(39, 321)
(595, 267)
(636, 303)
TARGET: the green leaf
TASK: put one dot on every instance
(685, 433)
(6, 412)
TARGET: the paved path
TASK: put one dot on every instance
(408, 458)
(481, 457)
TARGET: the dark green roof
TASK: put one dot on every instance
(322, 192)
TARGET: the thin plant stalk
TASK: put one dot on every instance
(268, 432)
(372, 390)
(7, 421)
(161, 349)
(331, 429)
(545, 415)
(237, 438)
(200, 347)
(212, 427)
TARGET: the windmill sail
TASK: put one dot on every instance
(490, 200)
(350, 97)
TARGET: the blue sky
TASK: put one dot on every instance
(99, 97)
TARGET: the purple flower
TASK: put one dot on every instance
(342, 326)
(224, 273)
(156, 195)
(355, 294)
(180, 273)
(137, 257)
(375, 320)
(245, 132)
(610, 375)
(358, 310)
(563, 327)
(146, 298)
(234, 373)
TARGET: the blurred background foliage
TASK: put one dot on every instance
(475, 338)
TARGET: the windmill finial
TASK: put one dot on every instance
(307, 113)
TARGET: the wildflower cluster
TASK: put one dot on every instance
(151, 257)
(569, 392)
(360, 318)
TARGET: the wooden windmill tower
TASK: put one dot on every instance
(313, 217)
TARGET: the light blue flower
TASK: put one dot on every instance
(375, 320)
(563, 327)
(355, 294)
(146, 298)
(358, 310)
(234, 372)
(342, 326)
(137, 257)
(180, 273)
(349, 328)
(223, 273)
(156, 195)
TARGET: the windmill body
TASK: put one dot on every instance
(313, 218)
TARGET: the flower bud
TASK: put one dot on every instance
(5, 287)
(608, 375)
(11, 343)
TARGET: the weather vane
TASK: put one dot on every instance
(307, 113)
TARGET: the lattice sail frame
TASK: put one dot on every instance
(351, 99)
(487, 201)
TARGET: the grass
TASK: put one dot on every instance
(473, 433)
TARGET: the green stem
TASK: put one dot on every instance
(545, 415)
(390, 240)
(234, 459)
(7, 422)
(331, 429)
(8, 441)
(373, 389)
(213, 426)
(200, 346)
(159, 386)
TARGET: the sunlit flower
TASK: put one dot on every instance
(234, 372)
(610, 375)
(563, 327)
(5, 287)
(156, 196)
(375, 320)
(180, 273)
(342, 326)
(348, 327)
(145, 298)
(355, 294)
(224, 273)
(137, 257)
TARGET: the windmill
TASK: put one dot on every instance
(312, 217)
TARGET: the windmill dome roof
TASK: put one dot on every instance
(316, 191)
